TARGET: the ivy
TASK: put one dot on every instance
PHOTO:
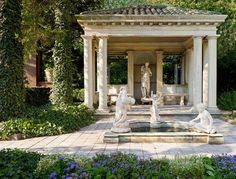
(12, 93)
(62, 89)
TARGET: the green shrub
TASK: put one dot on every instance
(18, 164)
(78, 95)
(37, 96)
(47, 120)
(227, 101)
(12, 93)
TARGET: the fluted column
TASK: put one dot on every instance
(205, 74)
(131, 72)
(197, 69)
(212, 72)
(102, 72)
(88, 81)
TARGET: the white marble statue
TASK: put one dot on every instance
(123, 104)
(145, 80)
(206, 121)
(155, 112)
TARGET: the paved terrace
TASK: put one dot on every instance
(89, 140)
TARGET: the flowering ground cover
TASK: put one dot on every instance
(21, 164)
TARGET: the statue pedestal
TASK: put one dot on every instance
(121, 127)
(146, 100)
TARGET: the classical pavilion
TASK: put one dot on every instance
(149, 34)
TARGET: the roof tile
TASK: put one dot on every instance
(150, 10)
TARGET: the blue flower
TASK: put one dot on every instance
(96, 164)
(67, 169)
(61, 158)
(53, 175)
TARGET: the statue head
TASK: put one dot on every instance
(123, 90)
(201, 107)
(146, 64)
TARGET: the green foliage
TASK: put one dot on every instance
(58, 164)
(12, 94)
(62, 89)
(46, 121)
(78, 95)
(18, 164)
(37, 96)
(118, 72)
(108, 4)
(227, 101)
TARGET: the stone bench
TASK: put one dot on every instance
(181, 95)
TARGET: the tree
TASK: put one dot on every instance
(12, 93)
(53, 24)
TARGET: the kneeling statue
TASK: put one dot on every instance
(123, 104)
(206, 122)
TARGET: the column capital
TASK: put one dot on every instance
(130, 51)
(197, 37)
(87, 37)
(188, 50)
(159, 52)
(209, 37)
(102, 36)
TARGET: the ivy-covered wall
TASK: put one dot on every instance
(12, 93)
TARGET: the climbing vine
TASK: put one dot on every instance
(61, 93)
(12, 93)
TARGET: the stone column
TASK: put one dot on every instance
(197, 70)
(212, 72)
(205, 74)
(176, 74)
(88, 81)
(102, 73)
(183, 70)
(159, 73)
(94, 76)
(189, 57)
(131, 72)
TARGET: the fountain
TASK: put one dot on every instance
(157, 130)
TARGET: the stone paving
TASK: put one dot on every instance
(89, 140)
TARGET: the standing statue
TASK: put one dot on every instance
(145, 80)
(155, 112)
(206, 121)
(123, 104)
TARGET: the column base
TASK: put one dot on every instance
(213, 109)
(105, 110)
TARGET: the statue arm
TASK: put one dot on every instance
(150, 72)
(195, 119)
